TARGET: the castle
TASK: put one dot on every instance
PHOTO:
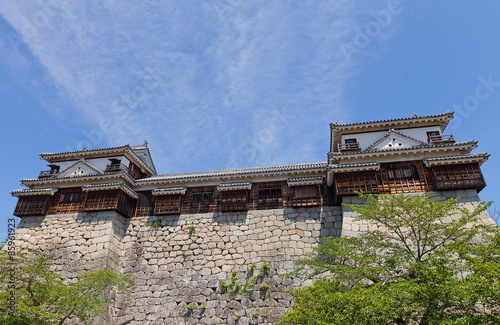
(182, 233)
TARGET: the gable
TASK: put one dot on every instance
(394, 140)
(143, 153)
(82, 167)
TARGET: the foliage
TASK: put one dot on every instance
(234, 287)
(155, 224)
(191, 230)
(428, 268)
(495, 214)
(190, 306)
(264, 287)
(43, 297)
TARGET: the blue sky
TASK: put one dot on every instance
(226, 83)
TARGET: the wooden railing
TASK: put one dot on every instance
(442, 138)
(48, 173)
(116, 168)
(113, 168)
(349, 146)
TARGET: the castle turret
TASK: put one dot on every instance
(404, 155)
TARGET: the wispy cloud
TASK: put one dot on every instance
(215, 84)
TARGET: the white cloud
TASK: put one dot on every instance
(213, 85)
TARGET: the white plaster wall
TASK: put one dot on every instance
(99, 163)
(368, 138)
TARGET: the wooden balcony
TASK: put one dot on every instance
(116, 168)
(349, 146)
(442, 138)
(48, 173)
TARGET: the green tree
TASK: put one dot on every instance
(435, 264)
(44, 297)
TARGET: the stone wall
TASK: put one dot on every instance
(468, 199)
(179, 262)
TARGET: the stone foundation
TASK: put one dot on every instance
(178, 264)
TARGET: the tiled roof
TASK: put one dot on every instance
(48, 154)
(34, 191)
(394, 120)
(54, 179)
(239, 171)
(170, 190)
(473, 155)
(234, 186)
(295, 181)
(365, 164)
(112, 185)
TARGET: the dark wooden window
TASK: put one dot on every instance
(69, 197)
(304, 196)
(32, 205)
(234, 200)
(402, 172)
(67, 200)
(350, 183)
(145, 205)
(431, 134)
(114, 161)
(135, 172)
(271, 192)
(352, 140)
(458, 177)
(168, 204)
(110, 200)
(201, 201)
(270, 197)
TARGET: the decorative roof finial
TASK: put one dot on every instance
(414, 114)
(145, 143)
(336, 122)
(84, 148)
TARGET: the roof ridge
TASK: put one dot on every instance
(393, 120)
(236, 170)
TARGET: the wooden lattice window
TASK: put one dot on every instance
(168, 204)
(458, 177)
(67, 200)
(306, 196)
(32, 205)
(270, 197)
(350, 183)
(115, 200)
(270, 192)
(205, 196)
(402, 172)
(201, 201)
(234, 200)
(101, 200)
(145, 205)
